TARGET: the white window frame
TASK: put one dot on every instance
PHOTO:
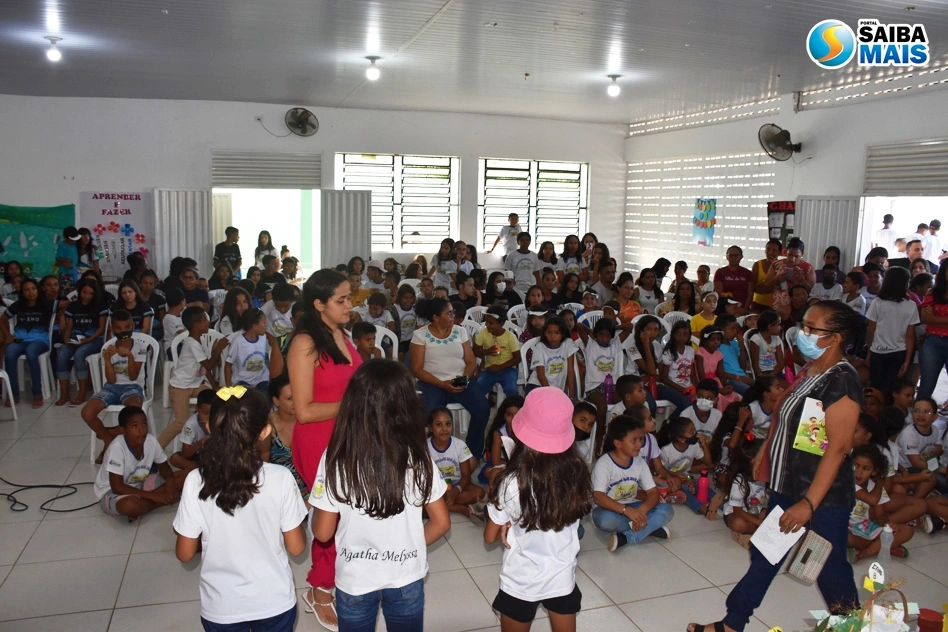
(401, 203)
(535, 197)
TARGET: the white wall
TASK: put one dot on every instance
(53, 148)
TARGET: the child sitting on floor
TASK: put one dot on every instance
(869, 514)
(761, 398)
(497, 457)
(125, 485)
(684, 452)
(630, 389)
(726, 437)
(197, 431)
(584, 422)
(703, 413)
(456, 463)
(627, 501)
(746, 506)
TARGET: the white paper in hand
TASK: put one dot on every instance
(771, 541)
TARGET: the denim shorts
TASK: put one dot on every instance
(115, 394)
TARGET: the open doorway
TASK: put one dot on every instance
(908, 212)
(290, 215)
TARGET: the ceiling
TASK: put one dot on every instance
(536, 58)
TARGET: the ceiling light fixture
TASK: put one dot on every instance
(372, 73)
(613, 90)
(53, 53)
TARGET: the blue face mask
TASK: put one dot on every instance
(807, 344)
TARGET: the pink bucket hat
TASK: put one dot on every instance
(545, 423)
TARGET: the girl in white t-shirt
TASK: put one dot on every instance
(373, 482)
(870, 512)
(248, 515)
(443, 267)
(761, 398)
(678, 363)
(248, 362)
(552, 364)
(602, 352)
(627, 500)
(541, 536)
(455, 463)
(746, 504)
(766, 347)
(684, 452)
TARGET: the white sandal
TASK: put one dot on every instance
(312, 605)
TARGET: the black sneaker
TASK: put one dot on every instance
(662, 533)
(616, 540)
(933, 525)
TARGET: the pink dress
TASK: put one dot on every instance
(310, 442)
(710, 362)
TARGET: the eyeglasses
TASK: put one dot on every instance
(919, 411)
(807, 329)
(450, 313)
(189, 278)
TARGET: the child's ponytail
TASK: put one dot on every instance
(230, 463)
(756, 391)
(671, 430)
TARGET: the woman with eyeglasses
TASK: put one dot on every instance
(444, 363)
(734, 281)
(815, 487)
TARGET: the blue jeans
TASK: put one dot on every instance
(280, 623)
(472, 399)
(680, 401)
(693, 503)
(506, 378)
(739, 387)
(612, 522)
(932, 359)
(67, 354)
(403, 609)
(835, 582)
(32, 351)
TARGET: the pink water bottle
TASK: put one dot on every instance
(704, 484)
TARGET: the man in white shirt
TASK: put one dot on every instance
(607, 277)
(885, 236)
(933, 248)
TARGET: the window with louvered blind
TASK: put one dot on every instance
(414, 198)
(660, 201)
(551, 198)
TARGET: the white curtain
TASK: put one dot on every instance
(183, 228)
(345, 226)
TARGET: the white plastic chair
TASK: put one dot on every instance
(73, 295)
(217, 301)
(97, 370)
(472, 328)
(476, 314)
(524, 366)
(6, 391)
(112, 288)
(673, 317)
(750, 360)
(518, 314)
(791, 338)
(513, 328)
(389, 335)
(208, 341)
(591, 318)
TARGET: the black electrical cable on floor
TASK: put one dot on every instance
(17, 505)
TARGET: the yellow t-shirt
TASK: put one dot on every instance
(699, 322)
(360, 297)
(507, 342)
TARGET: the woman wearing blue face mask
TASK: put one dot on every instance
(814, 488)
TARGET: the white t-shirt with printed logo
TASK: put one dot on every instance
(860, 512)
(704, 428)
(555, 363)
(621, 484)
(762, 420)
(382, 320)
(250, 362)
(245, 571)
(911, 441)
(443, 272)
(602, 361)
(193, 431)
(374, 554)
(573, 265)
(523, 266)
(139, 351)
(278, 323)
(892, 321)
(508, 235)
(539, 564)
(449, 462)
(188, 372)
(832, 293)
(675, 460)
(736, 499)
(406, 321)
(766, 352)
(118, 459)
(679, 369)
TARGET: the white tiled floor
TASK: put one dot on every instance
(87, 571)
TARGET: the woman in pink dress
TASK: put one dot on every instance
(321, 361)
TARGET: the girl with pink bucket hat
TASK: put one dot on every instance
(541, 537)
